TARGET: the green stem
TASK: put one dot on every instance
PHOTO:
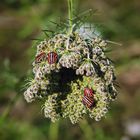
(87, 130)
(70, 14)
(54, 131)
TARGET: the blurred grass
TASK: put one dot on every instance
(21, 21)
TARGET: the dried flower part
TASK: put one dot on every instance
(64, 66)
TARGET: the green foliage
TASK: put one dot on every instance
(8, 77)
(19, 130)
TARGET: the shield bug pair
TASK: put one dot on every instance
(51, 57)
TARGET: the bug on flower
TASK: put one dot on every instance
(88, 92)
(39, 58)
(88, 101)
(52, 57)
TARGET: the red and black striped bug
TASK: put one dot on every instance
(88, 99)
(39, 58)
(52, 57)
(88, 92)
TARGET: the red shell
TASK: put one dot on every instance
(88, 92)
(87, 101)
(40, 57)
(52, 57)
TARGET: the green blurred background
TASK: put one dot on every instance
(22, 20)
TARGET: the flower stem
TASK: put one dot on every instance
(87, 130)
(70, 14)
(54, 131)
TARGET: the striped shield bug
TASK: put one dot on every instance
(87, 101)
(88, 92)
(39, 58)
(52, 57)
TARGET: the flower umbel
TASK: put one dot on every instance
(64, 66)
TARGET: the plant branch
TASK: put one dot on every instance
(70, 14)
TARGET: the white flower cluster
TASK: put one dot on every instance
(92, 69)
(70, 60)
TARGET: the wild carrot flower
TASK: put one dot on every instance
(64, 66)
